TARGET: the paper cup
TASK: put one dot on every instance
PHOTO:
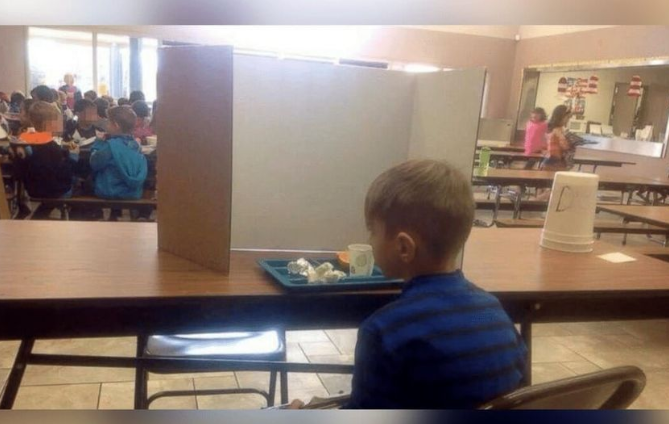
(361, 260)
(571, 213)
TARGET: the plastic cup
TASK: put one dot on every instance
(361, 260)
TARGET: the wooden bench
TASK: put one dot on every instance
(507, 205)
(600, 227)
(148, 200)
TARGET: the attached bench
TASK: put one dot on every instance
(661, 253)
(600, 227)
(148, 200)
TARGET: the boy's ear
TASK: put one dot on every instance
(406, 247)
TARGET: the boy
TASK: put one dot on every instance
(142, 126)
(45, 168)
(119, 167)
(444, 343)
(83, 127)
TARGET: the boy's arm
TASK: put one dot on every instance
(100, 156)
(375, 385)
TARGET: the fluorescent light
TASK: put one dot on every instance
(421, 68)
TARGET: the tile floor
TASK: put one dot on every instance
(560, 350)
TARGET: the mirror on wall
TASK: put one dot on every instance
(624, 108)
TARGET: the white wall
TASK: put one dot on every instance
(446, 116)
(309, 139)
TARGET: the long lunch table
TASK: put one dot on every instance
(508, 157)
(98, 279)
(653, 215)
(649, 187)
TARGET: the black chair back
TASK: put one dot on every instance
(615, 388)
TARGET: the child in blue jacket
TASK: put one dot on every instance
(118, 165)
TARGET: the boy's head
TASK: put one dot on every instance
(141, 109)
(45, 117)
(122, 101)
(90, 95)
(42, 93)
(17, 97)
(103, 106)
(136, 95)
(68, 79)
(121, 120)
(86, 111)
(419, 214)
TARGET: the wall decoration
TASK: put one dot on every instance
(593, 85)
(635, 87)
(562, 85)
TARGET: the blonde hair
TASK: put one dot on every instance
(428, 197)
(41, 112)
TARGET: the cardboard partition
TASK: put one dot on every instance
(195, 92)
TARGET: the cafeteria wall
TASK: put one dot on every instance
(620, 42)
(13, 54)
(309, 138)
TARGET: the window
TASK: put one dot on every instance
(53, 53)
(113, 65)
(149, 59)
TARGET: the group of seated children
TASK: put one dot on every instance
(112, 166)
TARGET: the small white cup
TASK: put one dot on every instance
(361, 260)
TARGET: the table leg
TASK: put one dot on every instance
(594, 169)
(16, 375)
(141, 376)
(519, 200)
(526, 335)
(498, 198)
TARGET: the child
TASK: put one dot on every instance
(444, 343)
(45, 168)
(15, 102)
(535, 132)
(83, 127)
(142, 125)
(43, 93)
(91, 95)
(137, 95)
(119, 168)
(73, 93)
(558, 145)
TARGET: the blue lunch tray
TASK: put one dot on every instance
(277, 268)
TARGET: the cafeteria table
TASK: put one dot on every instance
(508, 157)
(500, 178)
(61, 279)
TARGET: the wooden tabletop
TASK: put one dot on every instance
(654, 215)
(520, 176)
(97, 260)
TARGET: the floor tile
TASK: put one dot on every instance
(71, 396)
(581, 367)
(601, 343)
(8, 353)
(345, 340)
(37, 375)
(594, 328)
(300, 385)
(4, 373)
(294, 353)
(121, 395)
(656, 393)
(237, 401)
(331, 359)
(306, 336)
(550, 329)
(319, 348)
(545, 372)
(646, 359)
(336, 384)
(546, 349)
(111, 346)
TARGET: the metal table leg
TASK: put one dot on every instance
(141, 376)
(16, 375)
(526, 335)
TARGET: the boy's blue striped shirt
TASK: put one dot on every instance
(445, 343)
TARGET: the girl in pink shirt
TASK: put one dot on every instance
(535, 132)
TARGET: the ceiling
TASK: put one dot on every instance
(510, 31)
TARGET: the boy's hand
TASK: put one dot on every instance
(295, 404)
